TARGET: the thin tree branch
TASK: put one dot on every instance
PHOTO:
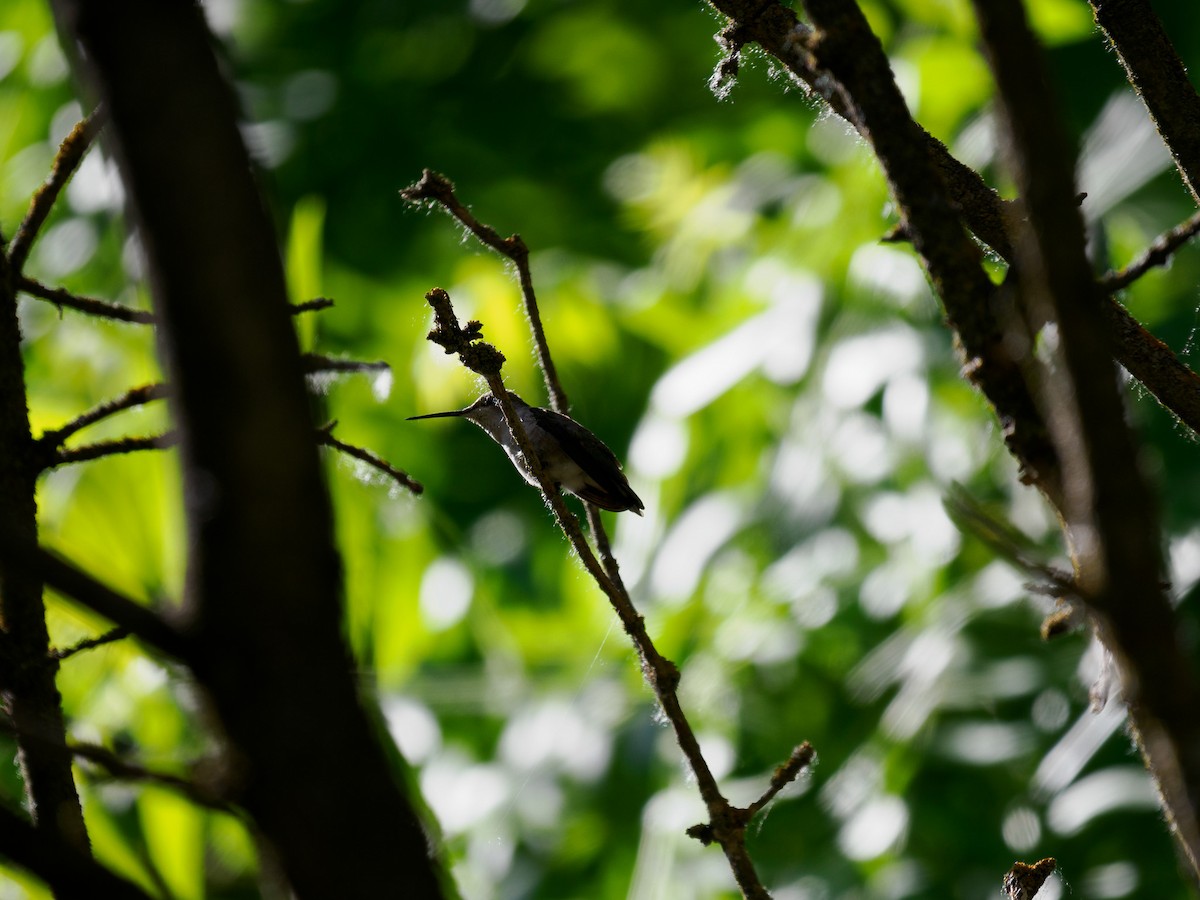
(315, 363)
(77, 585)
(115, 447)
(1111, 521)
(70, 153)
(1158, 253)
(116, 634)
(90, 305)
(439, 189)
(67, 870)
(800, 760)
(131, 398)
(122, 769)
(325, 438)
(1155, 365)
(313, 305)
(727, 823)
(200, 793)
(1159, 77)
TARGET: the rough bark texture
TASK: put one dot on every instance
(264, 578)
(30, 693)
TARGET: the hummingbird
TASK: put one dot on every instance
(571, 456)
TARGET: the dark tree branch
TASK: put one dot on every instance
(100, 308)
(75, 584)
(265, 589)
(70, 153)
(30, 692)
(68, 871)
(203, 792)
(801, 758)
(116, 634)
(313, 305)
(325, 438)
(131, 398)
(1111, 520)
(775, 28)
(197, 791)
(1155, 365)
(115, 447)
(859, 73)
(315, 363)
(1158, 253)
(1158, 75)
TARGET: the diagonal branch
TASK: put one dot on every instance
(115, 634)
(313, 305)
(1159, 77)
(857, 71)
(70, 153)
(75, 584)
(325, 438)
(134, 397)
(776, 29)
(103, 309)
(199, 792)
(1159, 253)
(1110, 518)
(315, 363)
(115, 447)
(727, 823)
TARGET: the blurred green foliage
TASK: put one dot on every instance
(783, 391)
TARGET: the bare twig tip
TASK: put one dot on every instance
(1023, 881)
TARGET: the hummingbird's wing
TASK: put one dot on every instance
(608, 488)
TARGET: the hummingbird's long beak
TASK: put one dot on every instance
(442, 415)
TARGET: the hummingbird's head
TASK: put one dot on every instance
(484, 412)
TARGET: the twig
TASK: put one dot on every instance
(1158, 253)
(311, 305)
(800, 759)
(325, 438)
(61, 297)
(114, 447)
(75, 584)
(126, 770)
(315, 362)
(70, 152)
(727, 823)
(439, 189)
(1023, 880)
(116, 634)
(134, 397)
(198, 792)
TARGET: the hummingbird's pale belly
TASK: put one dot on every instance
(559, 468)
